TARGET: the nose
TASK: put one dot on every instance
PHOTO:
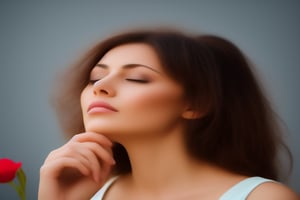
(101, 87)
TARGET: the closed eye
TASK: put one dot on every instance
(137, 80)
(93, 81)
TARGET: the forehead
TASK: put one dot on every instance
(139, 53)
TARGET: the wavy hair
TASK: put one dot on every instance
(239, 130)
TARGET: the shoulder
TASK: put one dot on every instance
(274, 191)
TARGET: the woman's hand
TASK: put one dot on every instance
(77, 169)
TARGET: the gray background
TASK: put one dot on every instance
(38, 38)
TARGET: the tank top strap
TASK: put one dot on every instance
(241, 190)
(100, 194)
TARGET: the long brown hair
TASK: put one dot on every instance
(238, 131)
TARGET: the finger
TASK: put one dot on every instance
(56, 167)
(70, 150)
(95, 156)
(99, 144)
(106, 169)
(91, 154)
(93, 137)
(102, 153)
(100, 159)
(91, 157)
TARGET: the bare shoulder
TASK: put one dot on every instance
(274, 191)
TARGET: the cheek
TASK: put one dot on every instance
(156, 104)
(83, 99)
(158, 112)
(155, 100)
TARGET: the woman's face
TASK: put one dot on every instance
(130, 94)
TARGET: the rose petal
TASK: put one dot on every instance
(8, 169)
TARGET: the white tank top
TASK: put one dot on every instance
(240, 191)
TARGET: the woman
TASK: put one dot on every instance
(164, 115)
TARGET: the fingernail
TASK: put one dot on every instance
(74, 138)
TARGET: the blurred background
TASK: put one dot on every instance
(38, 38)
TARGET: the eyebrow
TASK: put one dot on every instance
(129, 66)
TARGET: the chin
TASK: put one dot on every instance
(101, 130)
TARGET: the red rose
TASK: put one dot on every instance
(8, 170)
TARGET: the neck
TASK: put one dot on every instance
(160, 161)
(162, 167)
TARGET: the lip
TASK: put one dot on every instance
(100, 107)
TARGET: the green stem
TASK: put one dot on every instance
(19, 189)
(13, 184)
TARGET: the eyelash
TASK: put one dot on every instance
(128, 79)
(93, 81)
(137, 80)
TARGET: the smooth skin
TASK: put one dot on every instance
(77, 169)
(148, 120)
